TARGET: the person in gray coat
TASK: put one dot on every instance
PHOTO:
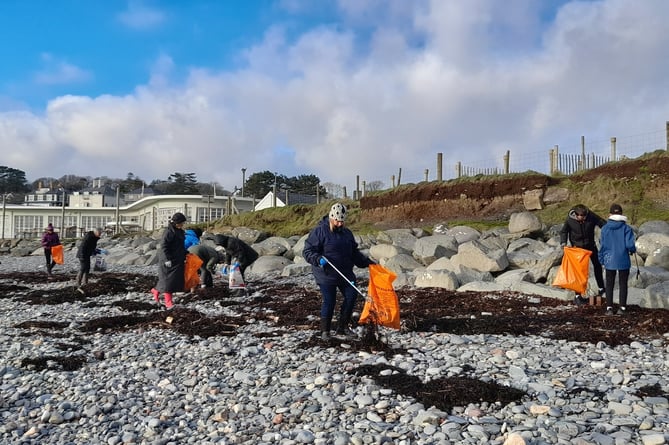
(210, 258)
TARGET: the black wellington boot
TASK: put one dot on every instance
(343, 327)
(325, 329)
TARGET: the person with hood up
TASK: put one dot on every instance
(236, 249)
(192, 237)
(49, 240)
(87, 248)
(579, 229)
(617, 244)
(171, 261)
(331, 245)
(210, 258)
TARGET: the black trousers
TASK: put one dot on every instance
(623, 277)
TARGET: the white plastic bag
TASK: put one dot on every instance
(100, 264)
(235, 280)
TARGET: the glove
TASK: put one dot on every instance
(104, 251)
(322, 262)
(168, 264)
(98, 251)
(225, 270)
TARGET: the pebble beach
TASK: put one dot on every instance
(150, 386)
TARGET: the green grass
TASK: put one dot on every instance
(291, 220)
(633, 194)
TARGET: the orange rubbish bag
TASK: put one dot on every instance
(57, 254)
(382, 307)
(573, 272)
(191, 277)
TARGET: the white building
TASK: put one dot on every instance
(147, 214)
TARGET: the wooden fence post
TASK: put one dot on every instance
(507, 156)
(399, 177)
(426, 174)
(583, 165)
(364, 187)
(613, 149)
(440, 158)
(667, 132)
(458, 169)
(357, 187)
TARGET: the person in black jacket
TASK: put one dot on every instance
(236, 249)
(87, 248)
(579, 230)
(330, 245)
(171, 261)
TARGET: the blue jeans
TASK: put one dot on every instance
(329, 292)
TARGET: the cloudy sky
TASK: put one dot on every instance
(337, 89)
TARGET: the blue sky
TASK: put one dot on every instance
(341, 89)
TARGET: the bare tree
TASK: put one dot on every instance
(334, 190)
(374, 186)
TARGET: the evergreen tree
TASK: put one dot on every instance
(12, 180)
(183, 184)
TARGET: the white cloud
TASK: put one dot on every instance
(59, 72)
(141, 17)
(468, 79)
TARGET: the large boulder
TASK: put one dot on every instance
(429, 248)
(475, 255)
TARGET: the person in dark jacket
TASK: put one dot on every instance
(331, 245)
(171, 261)
(49, 240)
(87, 248)
(579, 230)
(210, 258)
(617, 244)
(236, 249)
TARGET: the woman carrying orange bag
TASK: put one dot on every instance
(50, 239)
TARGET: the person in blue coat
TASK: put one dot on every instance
(192, 237)
(330, 245)
(616, 245)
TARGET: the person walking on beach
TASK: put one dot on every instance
(171, 259)
(87, 248)
(49, 239)
(579, 230)
(331, 245)
(617, 244)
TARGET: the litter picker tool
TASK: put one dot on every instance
(352, 283)
(636, 260)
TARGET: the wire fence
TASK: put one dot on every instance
(566, 159)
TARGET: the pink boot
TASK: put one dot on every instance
(168, 300)
(156, 295)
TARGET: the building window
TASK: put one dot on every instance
(28, 226)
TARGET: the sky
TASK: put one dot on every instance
(347, 90)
